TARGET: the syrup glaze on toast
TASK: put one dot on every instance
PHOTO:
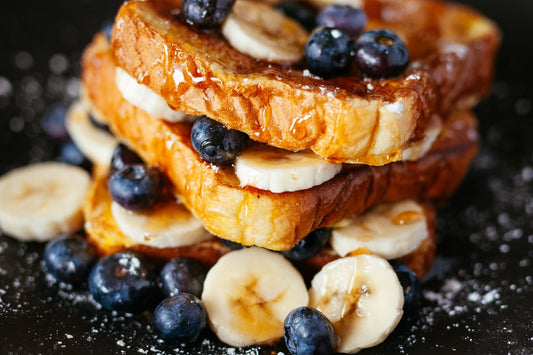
(345, 119)
(256, 217)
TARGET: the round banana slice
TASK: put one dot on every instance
(95, 143)
(248, 293)
(279, 170)
(389, 230)
(146, 99)
(38, 202)
(167, 225)
(262, 32)
(361, 296)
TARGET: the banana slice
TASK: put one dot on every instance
(421, 147)
(262, 32)
(279, 170)
(248, 293)
(96, 144)
(143, 97)
(166, 225)
(361, 296)
(38, 202)
(389, 230)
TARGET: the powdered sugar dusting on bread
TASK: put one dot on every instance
(395, 107)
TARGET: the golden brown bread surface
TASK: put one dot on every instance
(256, 217)
(345, 119)
(104, 233)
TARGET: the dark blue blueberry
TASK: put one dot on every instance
(181, 275)
(69, 153)
(136, 187)
(410, 284)
(107, 29)
(122, 158)
(344, 17)
(381, 54)
(329, 52)
(215, 142)
(300, 11)
(124, 282)
(53, 121)
(309, 246)
(179, 319)
(69, 259)
(206, 13)
(309, 332)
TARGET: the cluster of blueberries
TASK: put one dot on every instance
(336, 41)
(129, 282)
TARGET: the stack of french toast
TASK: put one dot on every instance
(338, 172)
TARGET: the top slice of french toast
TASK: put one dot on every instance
(343, 119)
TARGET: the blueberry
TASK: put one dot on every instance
(300, 11)
(308, 332)
(179, 319)
(215, 142)
(381, 53)
(309, 246)
(206, 13)
(123, 157)
(124, 282)
(329, 52)
(181, 275)
(410, 284)
(344, 17)
(69, 153)
(69, 259)
(136, 187)
(53, 121)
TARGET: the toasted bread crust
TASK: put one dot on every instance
(344, 119)
(256, 217)
(103, 232)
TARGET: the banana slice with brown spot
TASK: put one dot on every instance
(363, 298)
(248, 293)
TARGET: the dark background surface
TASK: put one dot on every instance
(479, 298)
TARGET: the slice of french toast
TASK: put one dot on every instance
(251, 216)
(343, 119)
(105, 234)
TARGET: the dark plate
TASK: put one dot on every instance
(477, 300)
